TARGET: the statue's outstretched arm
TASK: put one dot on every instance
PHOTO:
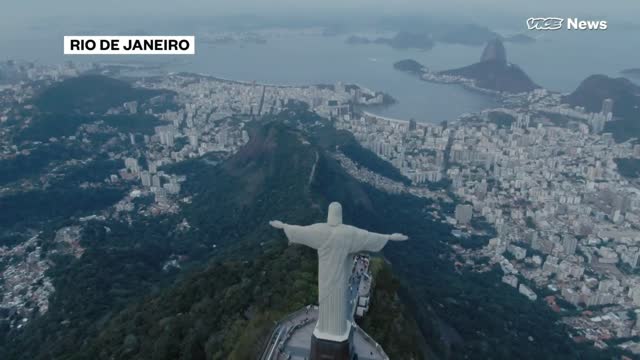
(277, 224)
(371, 241)
(310, 235)
(392, 237)
(398, 237)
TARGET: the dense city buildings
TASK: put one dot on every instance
(209, 116)
(542, 174)
(566, 220)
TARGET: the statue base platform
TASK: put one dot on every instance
(300, 344)
(322, 349)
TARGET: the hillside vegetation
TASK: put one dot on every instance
(116, 302)
(90, 94)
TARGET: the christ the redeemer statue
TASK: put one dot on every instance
(336, 243)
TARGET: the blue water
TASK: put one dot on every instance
(317, 59)
(558, 60)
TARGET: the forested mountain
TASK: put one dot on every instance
(626, 103)
(273, 176)
(116, 302)
(90, 93)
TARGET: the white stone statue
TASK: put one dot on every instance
(336, 243)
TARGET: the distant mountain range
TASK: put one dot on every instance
(402, 40)
(465, 34)
(631, 72)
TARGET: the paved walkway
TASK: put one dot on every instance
(297, 345)
(366, 348)
(289, 329)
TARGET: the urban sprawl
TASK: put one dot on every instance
(541, 173)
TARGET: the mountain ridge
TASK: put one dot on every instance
(593, 90)
(494, 72)
(120, 267)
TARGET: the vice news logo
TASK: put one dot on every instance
(556, 23)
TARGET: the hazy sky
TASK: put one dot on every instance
(28, 8)
(17, 12)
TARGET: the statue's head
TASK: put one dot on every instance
(334, 218)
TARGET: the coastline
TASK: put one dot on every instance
(467, 83)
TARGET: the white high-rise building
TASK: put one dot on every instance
(153, 167)
(145, 177)
(607, 106)
(569, 244)
(193, 140)
(463, 213)
(155, 181)
(132, 165)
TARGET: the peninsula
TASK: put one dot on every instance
(492, 74)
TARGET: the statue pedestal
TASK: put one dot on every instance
(322, 349)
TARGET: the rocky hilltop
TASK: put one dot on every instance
(494, 72)
(595, 88)
(494, 51)
(626, 103)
